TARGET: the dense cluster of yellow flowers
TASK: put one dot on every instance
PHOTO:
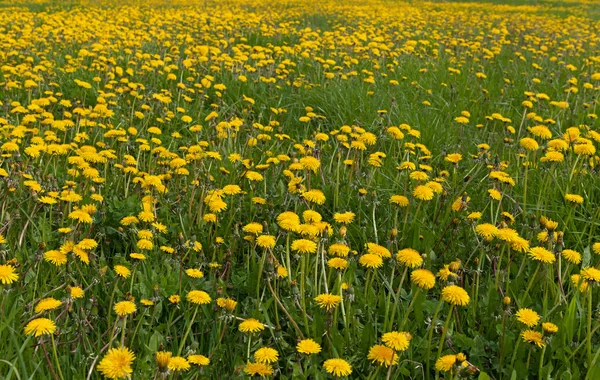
(286, 188)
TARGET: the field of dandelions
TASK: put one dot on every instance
(299, 189)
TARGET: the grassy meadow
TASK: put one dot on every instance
(299, 189)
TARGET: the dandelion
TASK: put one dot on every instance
(124, 308)
(445, 363)
(177, 363)
(116, 364)
(423, 193)
(338, 249)
(409, 257)
(314, 196)
(198, 297)
(122, 271)
(251, 325)
(382, 355)
(76, 292)
(304, 246)
(226, 303)
(162, 360)
(337, 367)
(549, 328)
(542, 254)
(454, 158)
(571, 256)
(423, 278)
(487, 231)
(397, 340)
(574, 198)
(533, 337)
(344, 218)
(528, 317)
(8, 274)
(266, 355)
(370, 260)
(591, 274)
(258, 369)
(328, 301)
(455, 295)
(47, 304)
(199, 360)
(40, 326)
(399, 200)
(266, 241)
(308, 347)
(338, 263)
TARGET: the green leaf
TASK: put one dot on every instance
(586, 257)
(155, 339)
(484, 376)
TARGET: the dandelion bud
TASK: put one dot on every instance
(393, 233)
(162, 360)
(342, 231)
(506, 301)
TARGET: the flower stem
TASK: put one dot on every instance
(431, 328)
(187, 332)
(444, 332)
(56, 358)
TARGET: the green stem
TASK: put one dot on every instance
(589, 328)
(431, 328)
(56, 357)
(409, 309)
(529, 285)
(396, 300)
(444, 332)
(187, 332)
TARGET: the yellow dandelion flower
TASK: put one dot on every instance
(455, 295)
(266, 355)
(409, 257)
(199, 360)
(423, 278)
(8, 275)
(591, 274)
(382, 355)
(528, 317)
(124, 308)
(226, 303)
(337, 367)
(266, 241)
(308, 347)
(47, 304)
(542, 254)
(40, 326)
(571, 256)
(251, 325)
(397, 340)
(198, 297)
(423, 193)
(304, 246)
(533, 337)
(116, 364)
(122, 271)
(328, 301)
(178, 363)
(445, 363)
(258, 369)
(549, 328)
(370, 260)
